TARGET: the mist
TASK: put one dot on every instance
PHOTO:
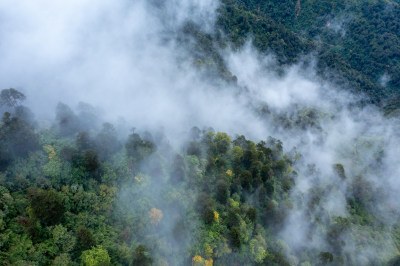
(123, 58)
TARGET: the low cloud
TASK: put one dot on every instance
(120, 56)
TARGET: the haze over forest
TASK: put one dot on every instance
(199, 132)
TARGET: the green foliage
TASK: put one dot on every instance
(258, 249)
(252, 214)
(138, 148)
(222, 191)
(62, 260)
(97, 256)
(246, 180)
(85, 239)
(47, 206)
(222, 142)
(235, 237)
(63, 239)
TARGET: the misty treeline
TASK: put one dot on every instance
(78, 192)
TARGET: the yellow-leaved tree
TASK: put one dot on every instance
(199, 261)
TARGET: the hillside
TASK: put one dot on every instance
(238, 132)
(355, 40)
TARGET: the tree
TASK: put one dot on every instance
(11, 97)
(235, 237)
(208, 215)
(222, 142)
(237, 154)
(222, 191)
(252, 213)
(83, 141)
(270, 187)
(85, 239)
(141, 256)
(62, 260)
(279, 166)
(97, 256)
(258, 247)
(266, 172)
(17, 136)
(194, 148)
(47, 206)
(246, 180)
(339, 170)
(138, 148)
(90, 160)
(249, 157)
(63, 239)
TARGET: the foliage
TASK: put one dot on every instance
(97, 256)
(47, 206)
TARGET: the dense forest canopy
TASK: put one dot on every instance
(200, 133)
(357, 39)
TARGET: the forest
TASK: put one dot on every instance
(69, 196)
(74, 192)
(357, 41)
(205, 146)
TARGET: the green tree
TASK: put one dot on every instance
(63, 259)
(138, 148)
(97, 256)
(63, 239)
(222, 193)
(222, 142)
(246, 180)
(85, 239)
(235, 237)
(47, 206)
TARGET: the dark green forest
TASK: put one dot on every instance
(356, 43)
(79, 190)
